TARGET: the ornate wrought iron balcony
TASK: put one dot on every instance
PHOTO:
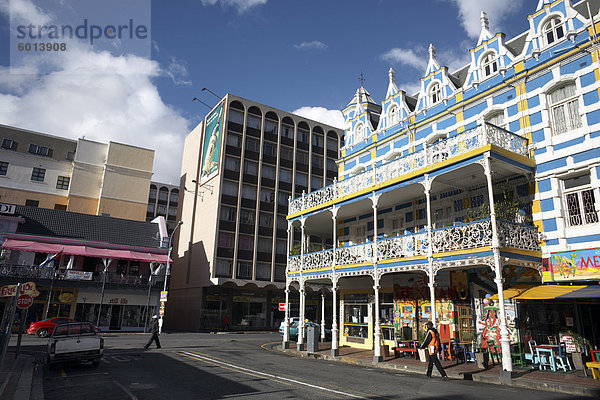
(465, 142)
(465, 236)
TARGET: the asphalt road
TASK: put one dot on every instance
(243, 366)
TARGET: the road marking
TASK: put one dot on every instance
(264, 374)
(127, 391)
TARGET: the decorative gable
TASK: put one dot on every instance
(436, 86)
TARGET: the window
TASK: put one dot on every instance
(267, 195)
(250, 168)
(435, 94)
(489, 64)
(317, 161)
(553, 30)
(38, 174)
(263, 271)
(283, 198)
(152, 193)
(331, 165)
(359, 133)
(63, 182)
(564, 106)
(252, 145)
(249, 192)
(271, 127)
(163, 194)
(150, 209)
(70, 156)
(232, 164)
(172, 211)
(226, 240)
(281, 246)
(246, 242)
(265, 244)
(227, 214)
(268, 172)
(302, 135)
(497, 119)
(287, 131)
(580, 201)
(41, 150)
(301, 179)
(236, 116)
(302, 157)
(393, 115)
(270, 149)
(317, 140)
(174, 197)
(265, 220)
(285, 175)
(9, 144)
(253, 121)
(3, 168)
(287, 153)
(246, 217)
(332, 144)
(316, 182)
(230, 188)
(62, 207)
(281, 222)
(162, 210)
(223, 267)
(244, 269)
(32, 203)
(234, 140)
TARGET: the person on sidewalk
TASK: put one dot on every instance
(154, 330)
(433, 344)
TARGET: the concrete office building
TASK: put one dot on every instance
(163, 200)
(240, 166)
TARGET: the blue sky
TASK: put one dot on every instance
(290, 54)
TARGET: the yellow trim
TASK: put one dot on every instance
(373, 154)
(354, 265)
(348, 324)
(459, 97)
(460, 129)
(536, 206)
(486, 42)
(422, 171)
(480, 96)
(524, 252)
(460, 252)
(393, 260)
(543, 9)
(460, 117)
(343, 153)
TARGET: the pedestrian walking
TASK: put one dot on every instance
(433, 345)
(226, 325)
(154, 330)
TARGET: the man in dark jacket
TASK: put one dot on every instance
(154, 330)
(432, 344)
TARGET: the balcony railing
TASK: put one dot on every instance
(459, 237)
(30, 271)
(460, 144)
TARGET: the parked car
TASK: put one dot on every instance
(46, 327)
(294, 322)
(75, 342)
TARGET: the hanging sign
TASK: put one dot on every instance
(26, 288)
(281, 306)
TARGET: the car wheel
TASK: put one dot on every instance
(42, 332)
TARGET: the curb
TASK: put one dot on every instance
(525, 383)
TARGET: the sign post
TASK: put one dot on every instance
(24, 301)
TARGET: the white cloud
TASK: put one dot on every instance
(410, 87)
(313, 45)
(416, 58)
(469, 12)
(177, 71)
(24, 11)
(333, 118)
(240, 5)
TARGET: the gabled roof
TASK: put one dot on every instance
(85, 227)
(582, 9)
(361, 96)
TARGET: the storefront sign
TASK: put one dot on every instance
(26, 288)
(241, 299)
(569, 342)
(7, 208)
(281, 306)
(79, 275)
(163, 295)
(66, 298)
(575, 265)
(117, 300)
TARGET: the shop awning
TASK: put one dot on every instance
(513, 292)
(88, 251)
(588, 292)
(541, 292)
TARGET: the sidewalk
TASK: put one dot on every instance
(21, 378)
(572, 382)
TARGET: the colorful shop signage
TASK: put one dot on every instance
(211, 149)
(575, 265)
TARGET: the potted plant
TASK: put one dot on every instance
(581, 348)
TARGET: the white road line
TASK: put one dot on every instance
(131, 395)
(199, 356)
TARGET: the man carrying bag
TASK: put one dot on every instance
(433, 345)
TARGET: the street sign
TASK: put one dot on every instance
(161, 311)
(281, 306)
(163, 295)
(24, 301)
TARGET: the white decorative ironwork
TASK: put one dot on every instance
(438, 152)
(319, 259)
(463, 236)
(518, 236)
(294, 263)
(402, 246)
(356, 254)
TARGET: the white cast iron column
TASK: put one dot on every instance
(377, 335)
(286, 322)
(335, 351)
(427, 185)
(504, 340)
(322, 315)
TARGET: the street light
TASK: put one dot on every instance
(160, 324)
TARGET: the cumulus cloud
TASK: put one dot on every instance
(415, 58)
(313, 45)
(240, 5)
(469, 12)
(98, 95)
(333, 118)
(177, 71)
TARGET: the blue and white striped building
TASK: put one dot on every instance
(519, 124)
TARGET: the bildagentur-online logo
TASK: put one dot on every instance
(86, 31)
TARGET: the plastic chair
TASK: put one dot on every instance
(517, 355)
(494, 351)
(562, 360)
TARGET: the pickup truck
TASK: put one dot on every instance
(75, 341)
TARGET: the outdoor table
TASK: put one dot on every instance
(545, 354)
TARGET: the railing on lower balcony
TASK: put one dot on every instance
(454, 146)
(462, 236)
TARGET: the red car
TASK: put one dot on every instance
(46, 327)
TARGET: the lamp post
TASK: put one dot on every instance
(160, 322)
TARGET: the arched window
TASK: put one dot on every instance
(553, 30)
(497, 118)
(393, 115)
(435, 93)
(564, 109)
(360, 131)
(489, 64)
